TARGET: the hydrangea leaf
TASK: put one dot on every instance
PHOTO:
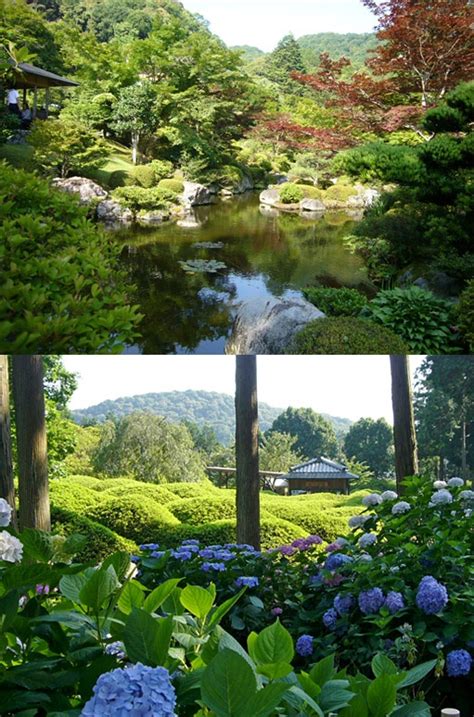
(274, 644)
(197, 600)
(228, 684)
(381, 696)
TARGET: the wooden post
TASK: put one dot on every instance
(246, 452)
(35, 102)
(406, 457)
(28, 394)
(7, 488)
(47, 101)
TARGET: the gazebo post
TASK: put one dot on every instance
(48, 99)
(24, 97)
(35, 102)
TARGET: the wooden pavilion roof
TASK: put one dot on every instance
(29, 76)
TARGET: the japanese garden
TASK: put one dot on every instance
(162, 192)
(327, 572)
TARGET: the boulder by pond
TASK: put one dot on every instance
(112, 212)
(270, 197)
(152, 218)
(312, 205)
(197, 194)
(268, 325)
(87, 190)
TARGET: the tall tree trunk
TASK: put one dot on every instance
(28, 394)
(135, 142)
(464, 466)
(7, 488)
(406, 458)
(441, 468)
(246, 452)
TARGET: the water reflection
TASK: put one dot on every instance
(265, 254)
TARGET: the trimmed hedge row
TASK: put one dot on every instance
(134, 518)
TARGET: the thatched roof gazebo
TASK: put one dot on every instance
(319, 475)
(29, 77)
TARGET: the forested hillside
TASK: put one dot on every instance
(203, 407)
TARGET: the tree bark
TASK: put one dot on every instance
(28, 394)
(7, 488)
(406, 456)
(246, 452)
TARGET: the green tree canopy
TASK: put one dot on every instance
(277, 452)
(149, 448)
(285, 59)
(314, 435)
(371, 442)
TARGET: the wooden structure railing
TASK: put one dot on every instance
(224, 473)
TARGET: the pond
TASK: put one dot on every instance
(252, 251)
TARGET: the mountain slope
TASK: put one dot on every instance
(204, 407)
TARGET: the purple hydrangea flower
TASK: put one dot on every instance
(394, 602)
(431, 596)
(343, 603)
(42, 589)
(458, 663)
(370, 601)
(276, 611)
(216, 567)
(337, 560)
(330, 618)
(137, 690)
(287, 550)
(304, 645)
(246, 581)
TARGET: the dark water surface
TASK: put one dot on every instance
(265, 254)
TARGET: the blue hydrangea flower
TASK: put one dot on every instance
(394, 602)
(330, 618)
(431, 596)
(343, 603)
(217, 567)
(136, 690)
(367, 540)
(458, 663)
(190, 541)
(157, 553)
(337, 560)
(246, 581)
(224, 555)
(304, 646)
(315, 579)
(116, 649)
(370, 601)
(206, 553)
(182, 554)
(149, 546)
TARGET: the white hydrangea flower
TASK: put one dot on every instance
(455, 482)
(365, 557)
(357, 521)
(439, 484)
(388, 495)
(367, 539)
(5, 513)
(467, 495)
(11, 549)
(442, 497)
(401, 507)
(341, 542)
(468, 513)
(395, 569)
(372, 499)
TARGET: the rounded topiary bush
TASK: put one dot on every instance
(101, 541)
(144, 175)
(173, 185)
(345, 335)
(313, 520)
(138, 489)
(86, 481)
(336, 302)
(73, 496)
(135, 518)
(340, 192)
(162, 169)
(291, 193)
(192, 490)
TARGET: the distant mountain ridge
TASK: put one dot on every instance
(205, 407)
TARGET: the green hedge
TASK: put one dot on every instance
(174, 185)
(195, 511)
(86, 481)
(346, 335)
(101, 541)
(138, 489)
(73, 496)
(192, 490)
(134, 518)
(326, 522)
(336, 302)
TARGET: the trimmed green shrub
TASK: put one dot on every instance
(172, 185)
(421, 319)
(139, 198)
(86, 481)
(465, 312)
(291, 193)
(134, 518)
(311, 192)
(346, 335)
(101, 541)
(61, 289)
(196, 510)
(162, 169)
(339, 192)
(378, 161)
(230, 176)
(192, 490)
(336, 302)
(138, 489)
(314, 520)
(144, 175)
(73, 496)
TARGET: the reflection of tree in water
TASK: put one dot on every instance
(180, 310)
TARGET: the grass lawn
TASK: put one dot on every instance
(18, 155)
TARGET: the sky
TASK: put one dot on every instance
(262, 23)
(346, 386)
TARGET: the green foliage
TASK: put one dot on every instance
(61, 290)
(344, 335)
(465, 312)
(72, 497)
(134, 115)
(336, 302)
(122, 487)
(314, 435)
(173, 185)
(100, 540)
(339, 192)
(148, 448)
(134, 518)
(291, 193)
(421, 319)
(277, 452)
(285, 59)
(144, 175)
(9, 124)
(64, 147)
(79, 460)
(140, 199)
(195, 511)
(354, 46)
(230, 176)
(162, 168)
(379, 162)
(371, 442)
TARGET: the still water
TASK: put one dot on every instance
(254, 252)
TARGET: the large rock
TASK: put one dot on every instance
(268, 326)
(312, 205)
(88, 190)
(364, 198)
(245, 185)
(270, 197)
(112, 212)
(196, 194)
(153, 218)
